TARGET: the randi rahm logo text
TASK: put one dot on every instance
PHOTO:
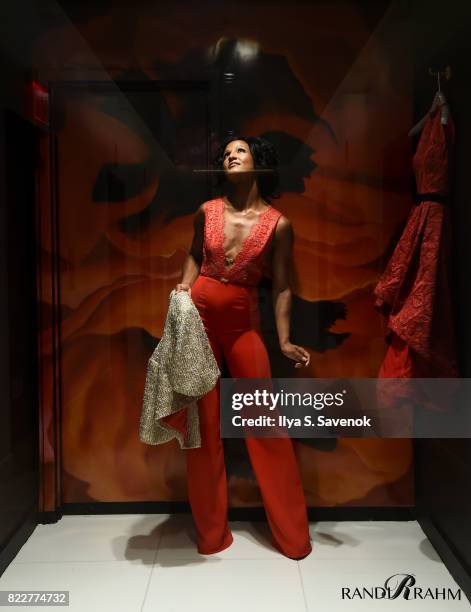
(400, 586)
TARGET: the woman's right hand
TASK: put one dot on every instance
(183, 287)
(297, 353)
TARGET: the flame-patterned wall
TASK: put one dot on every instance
(330, 85)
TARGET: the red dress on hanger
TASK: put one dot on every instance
(414, 291)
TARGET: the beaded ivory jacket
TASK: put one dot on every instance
(181, 370)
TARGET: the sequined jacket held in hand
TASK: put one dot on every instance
(181, 370)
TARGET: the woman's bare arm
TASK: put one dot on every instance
(192, 263)
(282, 266)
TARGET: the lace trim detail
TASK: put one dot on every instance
(213, 237)
(253, 246)
(245, 267)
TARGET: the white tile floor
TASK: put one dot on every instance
(144, 563)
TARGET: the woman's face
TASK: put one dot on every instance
(237, 158)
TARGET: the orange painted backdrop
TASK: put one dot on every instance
(331, 86)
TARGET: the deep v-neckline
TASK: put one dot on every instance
(246, 240)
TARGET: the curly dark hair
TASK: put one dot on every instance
(264, 157)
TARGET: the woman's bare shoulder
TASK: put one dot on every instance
(282, 220)
(283, 225)
(199, 217)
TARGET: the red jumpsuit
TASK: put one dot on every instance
(227, 301)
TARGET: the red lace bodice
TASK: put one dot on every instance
(431, 160)
(247, 267)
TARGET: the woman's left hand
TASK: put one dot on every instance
(296, 353)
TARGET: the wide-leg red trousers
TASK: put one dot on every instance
(231, 318)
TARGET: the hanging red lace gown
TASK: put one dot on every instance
(414, 291)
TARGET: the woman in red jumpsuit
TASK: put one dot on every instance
(237, 239)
